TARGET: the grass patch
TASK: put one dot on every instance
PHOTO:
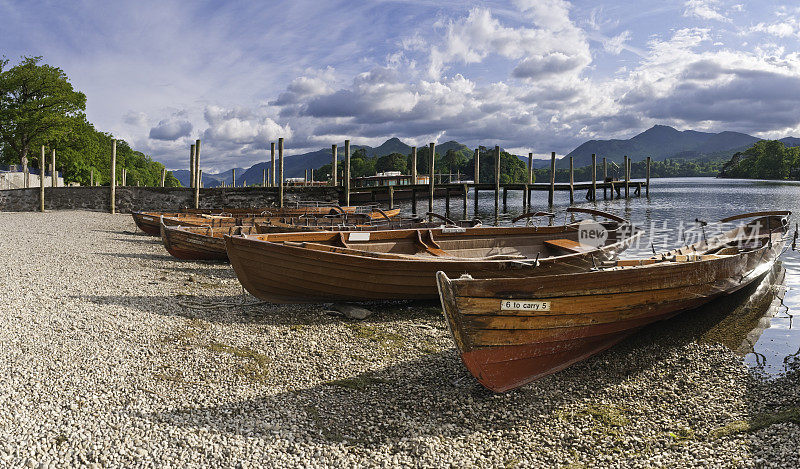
(61, 439)
(682, 434)
(358, 383)
(257, 364)
(606, 415)
(297, 327)
(387, 340)
(757, 423)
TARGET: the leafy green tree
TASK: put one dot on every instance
(37, 106)
(392, 162)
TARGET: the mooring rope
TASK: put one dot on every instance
(208, 304)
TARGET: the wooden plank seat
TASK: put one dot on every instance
(567, 245)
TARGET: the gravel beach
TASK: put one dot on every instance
(115, 354)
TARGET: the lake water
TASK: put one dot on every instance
(758, 323)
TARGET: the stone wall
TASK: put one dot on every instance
(158, 198)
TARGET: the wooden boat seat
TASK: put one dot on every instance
(567, 245)
(428, 245)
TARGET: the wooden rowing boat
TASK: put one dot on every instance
(400, 264)
(149, 222)
(199, 242)
(205, 241)
(512, 331)
(350, 223)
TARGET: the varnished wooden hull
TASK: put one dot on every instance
(199, 243)
(588, 312)
(150, 222)
(283, 273)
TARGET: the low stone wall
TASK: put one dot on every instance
(158, 198)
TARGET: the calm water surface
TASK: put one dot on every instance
(757, 323)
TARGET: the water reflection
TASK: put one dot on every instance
(772, 344)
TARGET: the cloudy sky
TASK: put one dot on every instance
(530, 75)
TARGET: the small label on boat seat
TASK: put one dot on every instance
(524, 305)
(147, 218)
(358, 236)
(453, 229)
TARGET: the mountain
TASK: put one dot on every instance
(209, 179)
(661, 142)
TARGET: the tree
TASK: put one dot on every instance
(37, 106)
(392, 162)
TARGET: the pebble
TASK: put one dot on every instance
(113, 359)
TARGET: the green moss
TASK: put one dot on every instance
(682, 434)
(605, 414)
(60, 439)
(758, 422)
(256, 366)
(387, 340)
(358, 383)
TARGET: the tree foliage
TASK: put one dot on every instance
(38, 106)
(766, 159)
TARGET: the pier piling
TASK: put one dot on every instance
(552, 179)
(497, 179)
(572, 182)
(113, 183)
(432, 182)
(280, 172)
(334, 162)
(272, 168)
(42, 166)
(197, 173)
(346, 172)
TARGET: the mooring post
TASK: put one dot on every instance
(272, 168)
(647, 187)
(334, 161)
(571, 182)
(113, 175)
(91, 177)
(505, 199)
(627, 175)
(305, 178)
(200, 179)
(413, 201)
(347, 173)
(42, 167)
(431, 182)
(414, 166)
(163, 176)
(496, 178)
(280, 170)
(197, 174)
(191, 166)
(447, 201)
(477, 178)
(594, 177)
(552, 179)
(264, 177)
(466, 193)
(605, 176)
(233, 177)
(54, 179)
(391, 197)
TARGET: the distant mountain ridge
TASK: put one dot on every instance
(658, 142)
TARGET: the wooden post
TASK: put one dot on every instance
(197, 173)
(605, 176)
(200, 179)
(647, 175)
(347, 173)
(571, 182)
(432, 182)
(264, 177)
(272, 169)
(233, 177)
(311, 171)
(414, 168)
(530, 168)
(627, 166)
(628, 181)
(414, 201)
(525, 194)
(42, 167)
(192, 177)
(477, 178)
(466, 193)
(163, 176)
(447, 201)
(594, 177)
(505, 199)
(54, 179)
(334, 162)
(305, 178)
(113, 175)
(552, 178)
(91, 177)
(391, 197)
(496, 178)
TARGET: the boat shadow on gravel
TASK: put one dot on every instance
(411, 403)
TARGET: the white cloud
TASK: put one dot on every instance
(704, 9)
(172, 128)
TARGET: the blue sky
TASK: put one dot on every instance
(530, 75)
